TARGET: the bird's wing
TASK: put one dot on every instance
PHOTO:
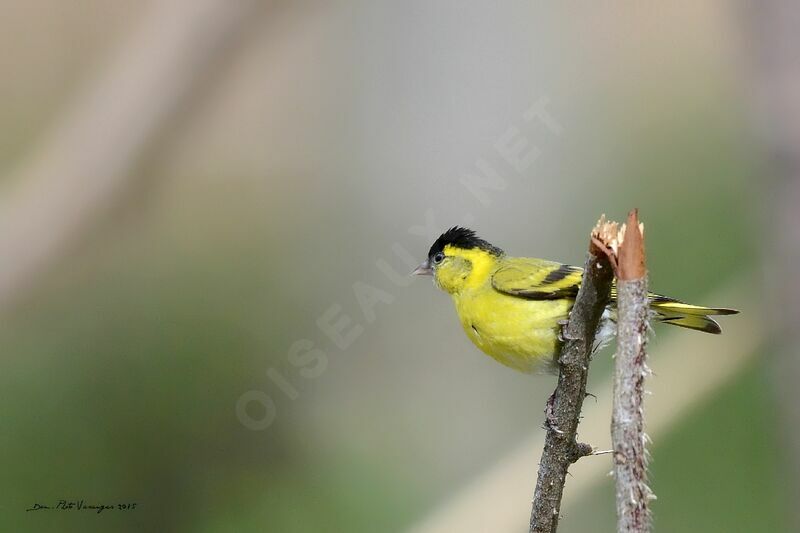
(537, 279)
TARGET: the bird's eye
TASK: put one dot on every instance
(438, 258)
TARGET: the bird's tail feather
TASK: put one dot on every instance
(685, 315)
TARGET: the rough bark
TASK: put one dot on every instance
(561, 448)
(627, 422)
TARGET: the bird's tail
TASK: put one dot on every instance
(677, 313)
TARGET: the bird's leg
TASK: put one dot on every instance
(562, 330)
(550, 416)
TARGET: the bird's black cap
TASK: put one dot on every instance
(462, 238)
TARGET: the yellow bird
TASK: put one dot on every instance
(512, 307)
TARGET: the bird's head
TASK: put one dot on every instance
(459, 259)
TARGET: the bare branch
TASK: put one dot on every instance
(627, 422)
(561, 448)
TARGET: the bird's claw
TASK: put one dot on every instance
(550, 421)
(562, 329)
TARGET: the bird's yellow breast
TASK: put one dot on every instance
(519, 333)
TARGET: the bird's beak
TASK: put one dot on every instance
(423, 270)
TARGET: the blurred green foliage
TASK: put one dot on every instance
(122, 369)
(719, 469)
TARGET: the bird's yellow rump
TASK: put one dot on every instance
(512, 307)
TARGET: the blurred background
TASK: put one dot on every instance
(208, 210)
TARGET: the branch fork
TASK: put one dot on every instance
(610, 255)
